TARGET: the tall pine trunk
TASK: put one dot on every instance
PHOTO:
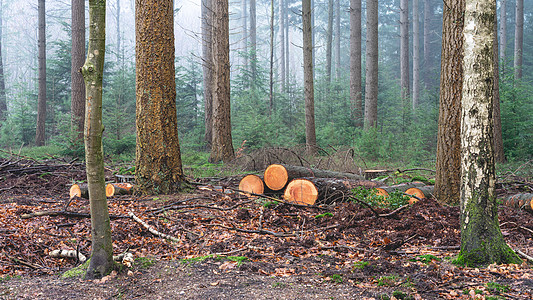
(337, 39)
(416, 56)
(281, 17)
(271, 82)
(448, 165)
(208, 68)
(93, 70)
(253, 40)
(310, 134)
(482, 242)
(518, 39)
(244, 9)
(355, 63)
(41, 98)
(371, 85)
(329, 38)
(503, 35)
(404, 55)
(158, 168)
(3, 98)
(77, 105)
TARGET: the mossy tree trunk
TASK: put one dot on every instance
(158, 159)
(482, 242)
(102, 248)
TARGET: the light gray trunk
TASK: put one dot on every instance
(310, 135)
(337, 39)
(3, 98)
(253, 40)
(371, 85)
(207, 54)
(281, 17)
(404, 53)
(416, 55)
(427, 17)
(41, 97)
(503, 34)
(355, 62)
(518, 39)
(329, 38)
(77, 105)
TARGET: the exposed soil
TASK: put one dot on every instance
(231, 247)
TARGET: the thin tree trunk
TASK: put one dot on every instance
(41, 98)
(3, 97)
(310, 134)
(427, 17)
(222, 147)
(518, 39)
(503, 35)
(329, 38)
(448, 165)
(281, 17)
(158, 168)
(499, 155)
(287, 44)
(77, 105)
(253, 40)
(416, 55)
(93, 69)
(245, 32)
(355, 63)
(313, 36)
(404, 55)
(271, 94)
(208, 68)
(371, 85)
(482, 242)
(337, 39)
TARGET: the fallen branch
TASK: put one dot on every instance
(24, 263)
(151, 229)
(209, 206)
(68, 254)
(529, 258)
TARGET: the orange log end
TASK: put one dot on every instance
(276, 177)
(415, 192)
(75, 191)
(252, 184)
(109, 190)
(301, 191)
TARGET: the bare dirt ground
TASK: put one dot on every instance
(231, 247)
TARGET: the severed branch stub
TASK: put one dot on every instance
(151, 229)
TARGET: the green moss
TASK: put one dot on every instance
(144, 262)
(78, 271)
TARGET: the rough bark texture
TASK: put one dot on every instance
(245, 32)
(253, 40)
(93, 69)
(271, 82)
(3, 98)
(482, 242)
(503, 34)
(355, 63)
(416, 55)
(518, 39)
(77, 105)
(41, 97)
(158, 160)
(404, 54)
(310, 134)
(427, 17)
(329, 39)
(448, 165)
(371, 85)
(499, 155)
(281, 17)
(222, 147)
(337, 39)
(207, 54)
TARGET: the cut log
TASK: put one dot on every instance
(114, 189)
(385, 191)
(312, 191)
(420, 192)
(371, 174)
(79, 190)
(277, 176)
(253, 184)
(521, 201)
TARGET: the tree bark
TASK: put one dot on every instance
(503, 35)
(41, 98)
(281, 17)
(253, 41)
(77, 106)
(310, 134)
(3, 97)
(245, 32)
(499, 155)
(520, 201)
(518, 39)
(371, 85)
(93, 69)
(271, 82)
(416, 55)
(337, 39)
(222, 147)
(158, 168)
(482, 242)
(427, 18)
(208, 68)
(448, 165)
(329, 39)
(404, 57)
(355, 63)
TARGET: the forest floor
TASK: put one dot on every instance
(230, 247)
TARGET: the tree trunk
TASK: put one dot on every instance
(158, 167)
(448, 165)
(416, 55)
(41, 101)
(77, 106)
(222, 147)
(281, 17)
(271, 85)
(518, 39)
(329, 39)
(337, 39)
(287, 43)
(427, 18)
(3, 97)
(371, 85)
(499, 155)
(208, 68)
(93, 69)
(503, 35)
(404, 57)
(277, 176)
(244, 31)
(253, 41)
(310, 134)
(355, 63)
(482, 242)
